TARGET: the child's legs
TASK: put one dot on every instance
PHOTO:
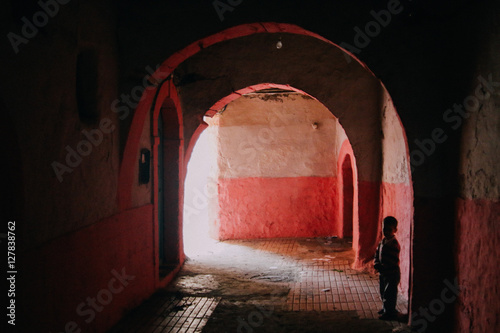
(390, 292)
(381, 286)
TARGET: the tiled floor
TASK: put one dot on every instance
(170, 314)
(316, 271)
(326, 282)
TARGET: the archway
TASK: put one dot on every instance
(277, 162)
(348, 198)
(360, 117)
(167, 148)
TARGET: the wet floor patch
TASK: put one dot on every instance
(198, 284)
(276, 275)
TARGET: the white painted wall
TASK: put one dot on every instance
(272, 135)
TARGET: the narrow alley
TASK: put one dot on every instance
(286, 131)
(268, 285)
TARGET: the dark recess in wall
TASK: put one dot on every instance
(87, 87)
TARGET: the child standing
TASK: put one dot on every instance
(387, 264)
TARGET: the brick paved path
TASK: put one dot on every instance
(275, 285)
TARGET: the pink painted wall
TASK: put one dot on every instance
(277, 172)
(396, 188)
(368, 229)
(478, 237)
(478, 205)
(80, 265)
(278, 207)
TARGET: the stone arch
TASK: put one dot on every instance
(365, 132)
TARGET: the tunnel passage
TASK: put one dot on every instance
(273, 169)
(277, 163)
(204, 78)
(76, 226)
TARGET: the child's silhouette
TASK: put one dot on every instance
(387, 264)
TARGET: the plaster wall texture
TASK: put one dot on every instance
(40, 93)
(71, 269)
(397, 191)
(70, 233)
(478, 206)
(277, 173)
(273, 136)
(350, 92)
(278, 207)
(479, 168)
(394, 145)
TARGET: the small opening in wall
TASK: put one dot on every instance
(144, 166)
(87, 87)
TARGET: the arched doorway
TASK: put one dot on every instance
(360, 117)
(347, 197)
(168, 148)
(275, 148)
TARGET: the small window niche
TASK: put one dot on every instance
(87, 88)
(144, 166)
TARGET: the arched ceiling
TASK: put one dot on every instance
(307, 63)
